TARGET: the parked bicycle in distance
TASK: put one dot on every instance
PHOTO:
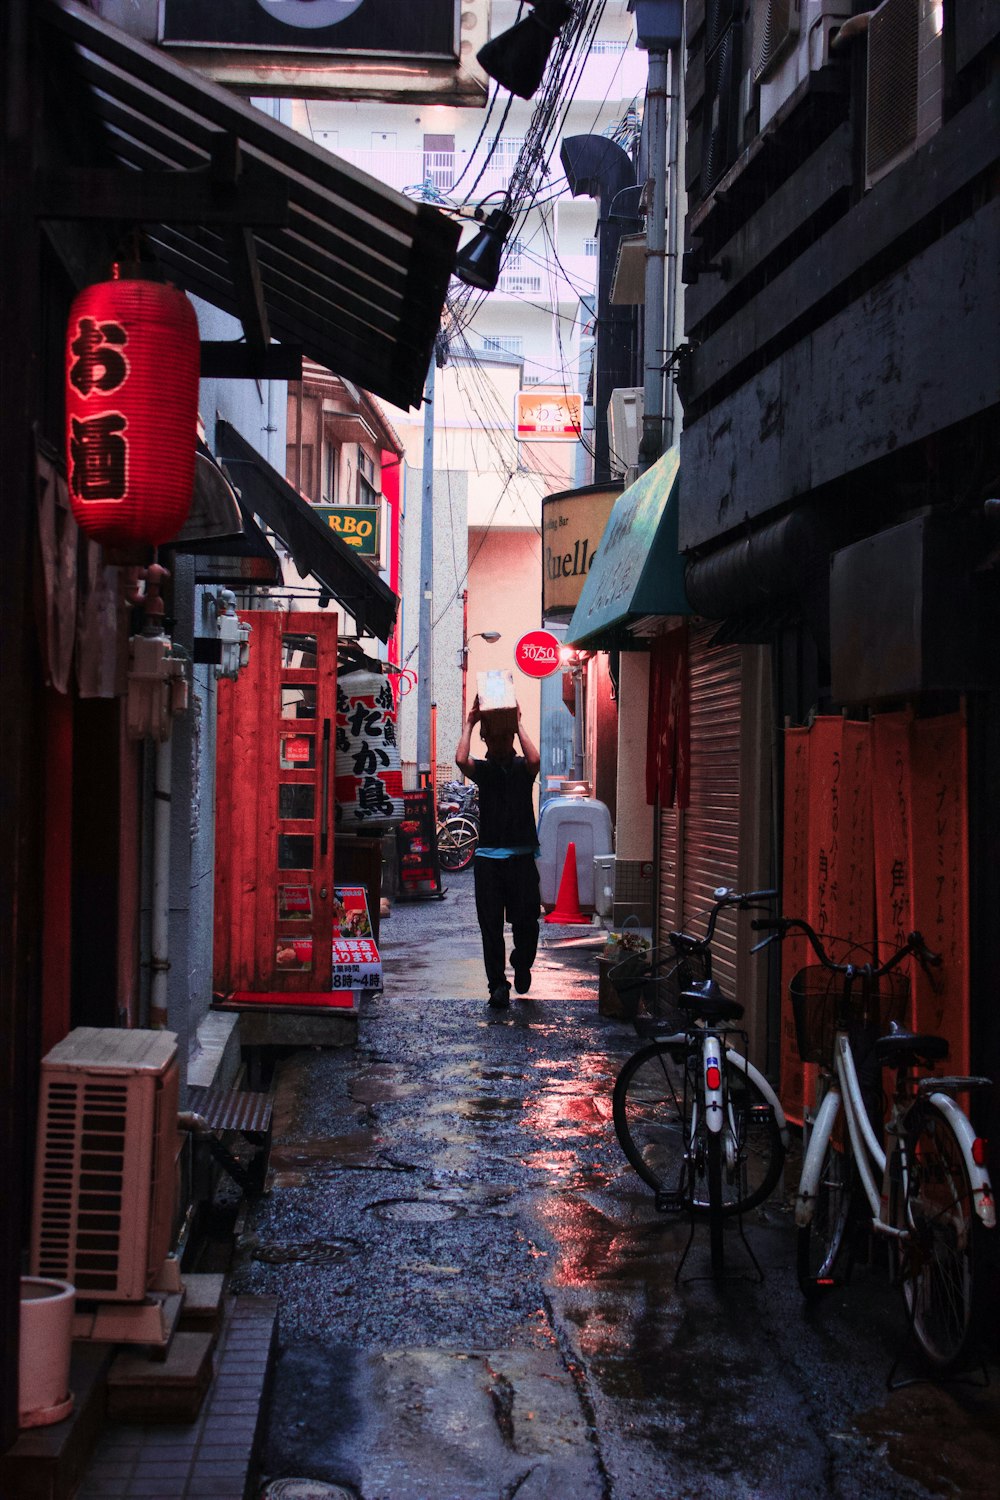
(457, 825)
(698, 1122)
(928, 1191)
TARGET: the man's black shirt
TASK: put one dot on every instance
(506, 812)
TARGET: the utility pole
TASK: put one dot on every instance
(425, 644)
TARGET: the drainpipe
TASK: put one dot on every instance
(673, 217)
(160, 916)
(656, 213)
(659, 26)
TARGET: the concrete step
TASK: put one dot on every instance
(212, 1457)
(146, 1389)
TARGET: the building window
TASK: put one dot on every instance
(331, 473)
(503, 343)
(367, 492)
(439, 161)
(590, 247)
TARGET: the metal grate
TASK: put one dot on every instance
(775, 23)
(893, 49)
(80, 1215)
(231, 1109)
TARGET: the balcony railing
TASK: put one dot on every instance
(437, 169)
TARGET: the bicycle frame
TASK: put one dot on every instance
(869, 1156)
(714, 1050)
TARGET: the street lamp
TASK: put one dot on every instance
(492, 636)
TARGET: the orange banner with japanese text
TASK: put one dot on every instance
(830, 818)
(939, 862)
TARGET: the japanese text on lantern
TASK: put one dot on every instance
(98, 444)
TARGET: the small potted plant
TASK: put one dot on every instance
(624, 957)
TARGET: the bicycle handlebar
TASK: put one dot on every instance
(779, 927)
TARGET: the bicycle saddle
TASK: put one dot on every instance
(894, 1049)
(705, 998)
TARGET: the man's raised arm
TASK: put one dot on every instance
(531, 755)
(463, 750)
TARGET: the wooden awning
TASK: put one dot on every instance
(242, 211)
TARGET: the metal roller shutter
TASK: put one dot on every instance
(699, 847)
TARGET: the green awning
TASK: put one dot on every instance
(638, 570)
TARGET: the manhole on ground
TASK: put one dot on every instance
(304, 1489)
(309, 1253)
(416, 1210)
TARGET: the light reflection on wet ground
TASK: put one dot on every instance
(455, 1184)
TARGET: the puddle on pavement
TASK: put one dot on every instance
(488, 1106)
(308, 1253)
(297, 1162)
(369, 1089)
(948, 1441)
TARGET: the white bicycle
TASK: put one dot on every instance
(928, 1193)
(698, 1122)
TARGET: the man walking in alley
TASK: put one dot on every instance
(506, 875)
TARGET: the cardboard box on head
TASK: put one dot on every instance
(497, 703)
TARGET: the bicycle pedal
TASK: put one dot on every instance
(669, 1202)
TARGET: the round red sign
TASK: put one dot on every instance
(537, 653)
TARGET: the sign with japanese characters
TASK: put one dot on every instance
(368, 778)
(548, 416)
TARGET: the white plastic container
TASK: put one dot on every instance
(582, 821)
(46, 1342)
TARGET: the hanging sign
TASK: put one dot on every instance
(548, 416)
(537, 654)
(132, 363)
(368, 781)
(355, 525)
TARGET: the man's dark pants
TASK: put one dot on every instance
(507, 888)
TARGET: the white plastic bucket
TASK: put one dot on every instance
(46, 1342)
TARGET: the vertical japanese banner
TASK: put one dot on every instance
(795, 895)
(939, 845)
(892, 815)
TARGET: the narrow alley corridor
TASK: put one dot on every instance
(477, 1296)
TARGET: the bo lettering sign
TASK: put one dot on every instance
(537, 654)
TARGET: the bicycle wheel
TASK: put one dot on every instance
(648, 1112)
(822, 1249)
(648, 1109)
(753, 1151)
(458, 838)
(940, 1266)
(716, 1220)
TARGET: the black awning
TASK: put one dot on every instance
(249, 215)
(315, 549)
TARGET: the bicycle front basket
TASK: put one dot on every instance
(818, 1004)
(815, 996)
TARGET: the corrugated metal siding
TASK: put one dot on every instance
(711, 823)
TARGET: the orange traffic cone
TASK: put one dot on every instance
(567, 907)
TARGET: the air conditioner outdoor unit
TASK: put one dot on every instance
(791, 39)
(905, 75)
(106, 1175)
(625, 428)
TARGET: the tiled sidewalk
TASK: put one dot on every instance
(211, 1458)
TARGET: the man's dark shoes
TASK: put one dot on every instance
(522, 980)
(500, 996)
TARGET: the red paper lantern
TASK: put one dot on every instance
(132, 366)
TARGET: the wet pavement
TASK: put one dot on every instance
(478, 1298)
